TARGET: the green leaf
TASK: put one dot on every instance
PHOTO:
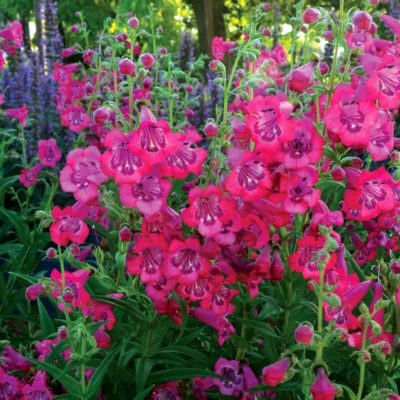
(188, 352)
(175, 374)
(97, 377)
(143, 395)
(21, 229)
(45, 321)
(284, 387)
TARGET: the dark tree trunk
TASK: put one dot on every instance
(39, 28)
(209, 20)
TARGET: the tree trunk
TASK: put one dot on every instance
(209, 21)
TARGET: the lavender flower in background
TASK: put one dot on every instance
(186, 55)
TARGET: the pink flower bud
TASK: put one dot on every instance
(147, 60)
(338, 174)
(386, 348)
(266, 6)
(395, 267)
(301, 78)
(51, 253)
(277, 269)
(328, 35)
(62, 332)
(68, 52)
(356, 162)
(74, 249)
(147, 82)
(101, 115)
(304, 28)
(74, 28)
(102, 339)
(163, 51)
(362, 20)
(213, 65)
(311, 15)
(211, 129)
(133, 22)
(322, 388)
(373, 28)
(34, 291)
(125, 234)
(304, 334)
(122, 37)
(137, 49)
(323, 68)
(189, 113)
(68, 296)
(274, 374)
(160, 29)
(266, 32)
(126, 66)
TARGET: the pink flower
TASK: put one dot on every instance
(127, 67)
(351, 116)
(13, 361)
(48, 152)
(118, 161)
(229, 369)
(28, 177)
(249, 178)
(75, 118)
(217, 48)
(14, 33)
(275, 373)
(18, 113)
(362, 20)
(69, 225)
(68, 52)
(149, 195)
(82, 175)
(10, 386)
(38, 389)
(322, 388)
(269, 123)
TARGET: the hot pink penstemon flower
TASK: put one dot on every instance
(153, 140)
(150, 258)
(269, 122)
(185, 262)
(14, 33)
(149, 195)
(184, 159)
(118, 161)
(368, 194)
(75, 118)
(381, 137)
(28, 177)
(48, 152)
(69, 225)
(299, 192)
(230, 369)
(351, 116)
(10, 386)
(208, 210)
(38, 389)
(18, 113)
(305, 148)
(249, 178)
(82, 175)
(384, 81)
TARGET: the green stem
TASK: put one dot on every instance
(23, 143)
(82, 366)
(62, 265)
(362, 366)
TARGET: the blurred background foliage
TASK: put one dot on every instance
(202, 18)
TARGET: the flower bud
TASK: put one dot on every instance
(311, 15)
(301, 78)
(122, 37)
(322, 388)
(102, 115)
(275, 373)
(68, 296)
(163, 51)
(362, 20)
(304, 334)
(365, 356)
(147, 60)
(211, 130)
(395, 267)
(62, 332)
(376, 328)
(74, 250)
(126, 66)
(137, 49)
(133, 22)
(338, 174)
(34, 291)
(213, 65)
(328, 35)
(385, 347)
(51, 253)
(125, 234)
(74, 28)
(323, 68)
(266, 6)
(277, 269)
(266, 32)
